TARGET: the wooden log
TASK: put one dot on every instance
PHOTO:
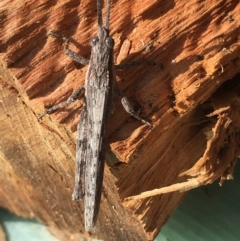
(198, 44)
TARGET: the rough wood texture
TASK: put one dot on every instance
(198, 43)
(2, 234)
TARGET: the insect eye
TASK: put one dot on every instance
(94, 41)
(110, 42)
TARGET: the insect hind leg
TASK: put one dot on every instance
(81, 153)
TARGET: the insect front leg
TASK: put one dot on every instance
(137, 63)
(129, 109)
(74, 96)
(126, 104)
(69, 52)
(75, 57)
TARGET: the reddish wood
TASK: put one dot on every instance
(198, 43)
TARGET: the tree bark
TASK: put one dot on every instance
(198, 44)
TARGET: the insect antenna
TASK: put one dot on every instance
(99, 13)
(108, 14)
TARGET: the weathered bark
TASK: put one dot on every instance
(198, 44)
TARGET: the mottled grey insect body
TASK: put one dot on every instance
(98, 93)
(99, 88)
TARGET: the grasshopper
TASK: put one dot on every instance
(100, 86)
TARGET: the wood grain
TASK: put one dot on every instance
(198, 44)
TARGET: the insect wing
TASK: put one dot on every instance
(97, 121)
